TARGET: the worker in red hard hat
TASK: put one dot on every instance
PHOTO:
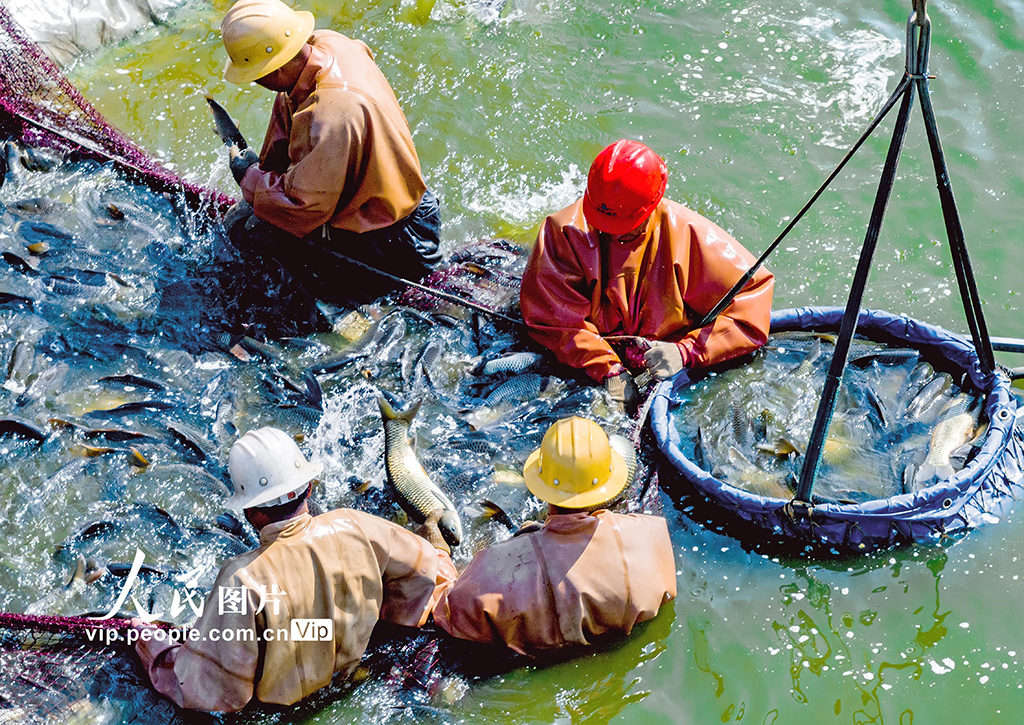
(623, 262)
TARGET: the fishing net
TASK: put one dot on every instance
(49, 664)
(39, 106)
(982, 492)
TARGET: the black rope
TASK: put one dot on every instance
(812, 456)
(429, 290)
(738, 287)
(954, 230)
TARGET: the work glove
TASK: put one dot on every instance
(240, 160)
(430, 531)
(664, 359)
(623, 390)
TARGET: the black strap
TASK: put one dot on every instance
(812, 456)
(738, 287)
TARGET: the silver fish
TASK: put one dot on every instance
(955, 425)
(417, 494)
(929, 401)
(20, 365)
(225, 126)
(45, 383)
(517, 362)
(522, 387)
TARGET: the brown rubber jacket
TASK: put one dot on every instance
(580, 576)
(577, 289)
(338, 149)
(347, 566)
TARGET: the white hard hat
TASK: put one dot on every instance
(267, 469)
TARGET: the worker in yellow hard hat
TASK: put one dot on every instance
(584, 573)
(284, 619)
(338, 167)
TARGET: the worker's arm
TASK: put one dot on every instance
(715, 263)
(325, 145)
(555, 304)
(413, 572)
(207, 672)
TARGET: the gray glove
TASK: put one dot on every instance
(623, 390)
(664, 359)
(240, 160)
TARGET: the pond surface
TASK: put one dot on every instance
(751, 104)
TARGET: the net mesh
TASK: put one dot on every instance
(48, 664)
(40, 106)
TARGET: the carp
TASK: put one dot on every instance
(225, 126)
(417, 494)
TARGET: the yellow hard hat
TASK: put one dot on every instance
(575, 466)
(261, 36)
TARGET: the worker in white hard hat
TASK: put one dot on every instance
(338, 167)
(284, 619)
(586, 572)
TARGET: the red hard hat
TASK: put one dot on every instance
(625, 183)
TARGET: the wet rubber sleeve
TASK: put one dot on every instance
(556, 306)
(715, 261)
(327, 133)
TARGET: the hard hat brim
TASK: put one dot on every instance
(594, 497)
(303, 476)
(611, 224)
(238, 74)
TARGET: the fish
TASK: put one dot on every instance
(357, 350)
(225, 126)
(930, 399)
(886, 356)
(519, 388)
(743, 474)
(953, 429)
(20, 365)
(134, 381)
(22, 429)
(139, 406)
(9, 298)
(517, 363)
(45, 383)
(493, 512)
(417, 494)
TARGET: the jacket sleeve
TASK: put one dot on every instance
(413, 572)
(324, 146)
(207, 672)
(716, 262)
(555, 306)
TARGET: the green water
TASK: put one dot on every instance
(751, 104)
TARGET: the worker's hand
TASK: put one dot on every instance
(664, 359)
(623, 390)
(236, 218)
(240, 160)
(430, 531)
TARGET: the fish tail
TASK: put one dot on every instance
(388, 411)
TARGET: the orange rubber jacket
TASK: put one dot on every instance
(582, 575)
(338, 149)
(578, 288)
(344, 565)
